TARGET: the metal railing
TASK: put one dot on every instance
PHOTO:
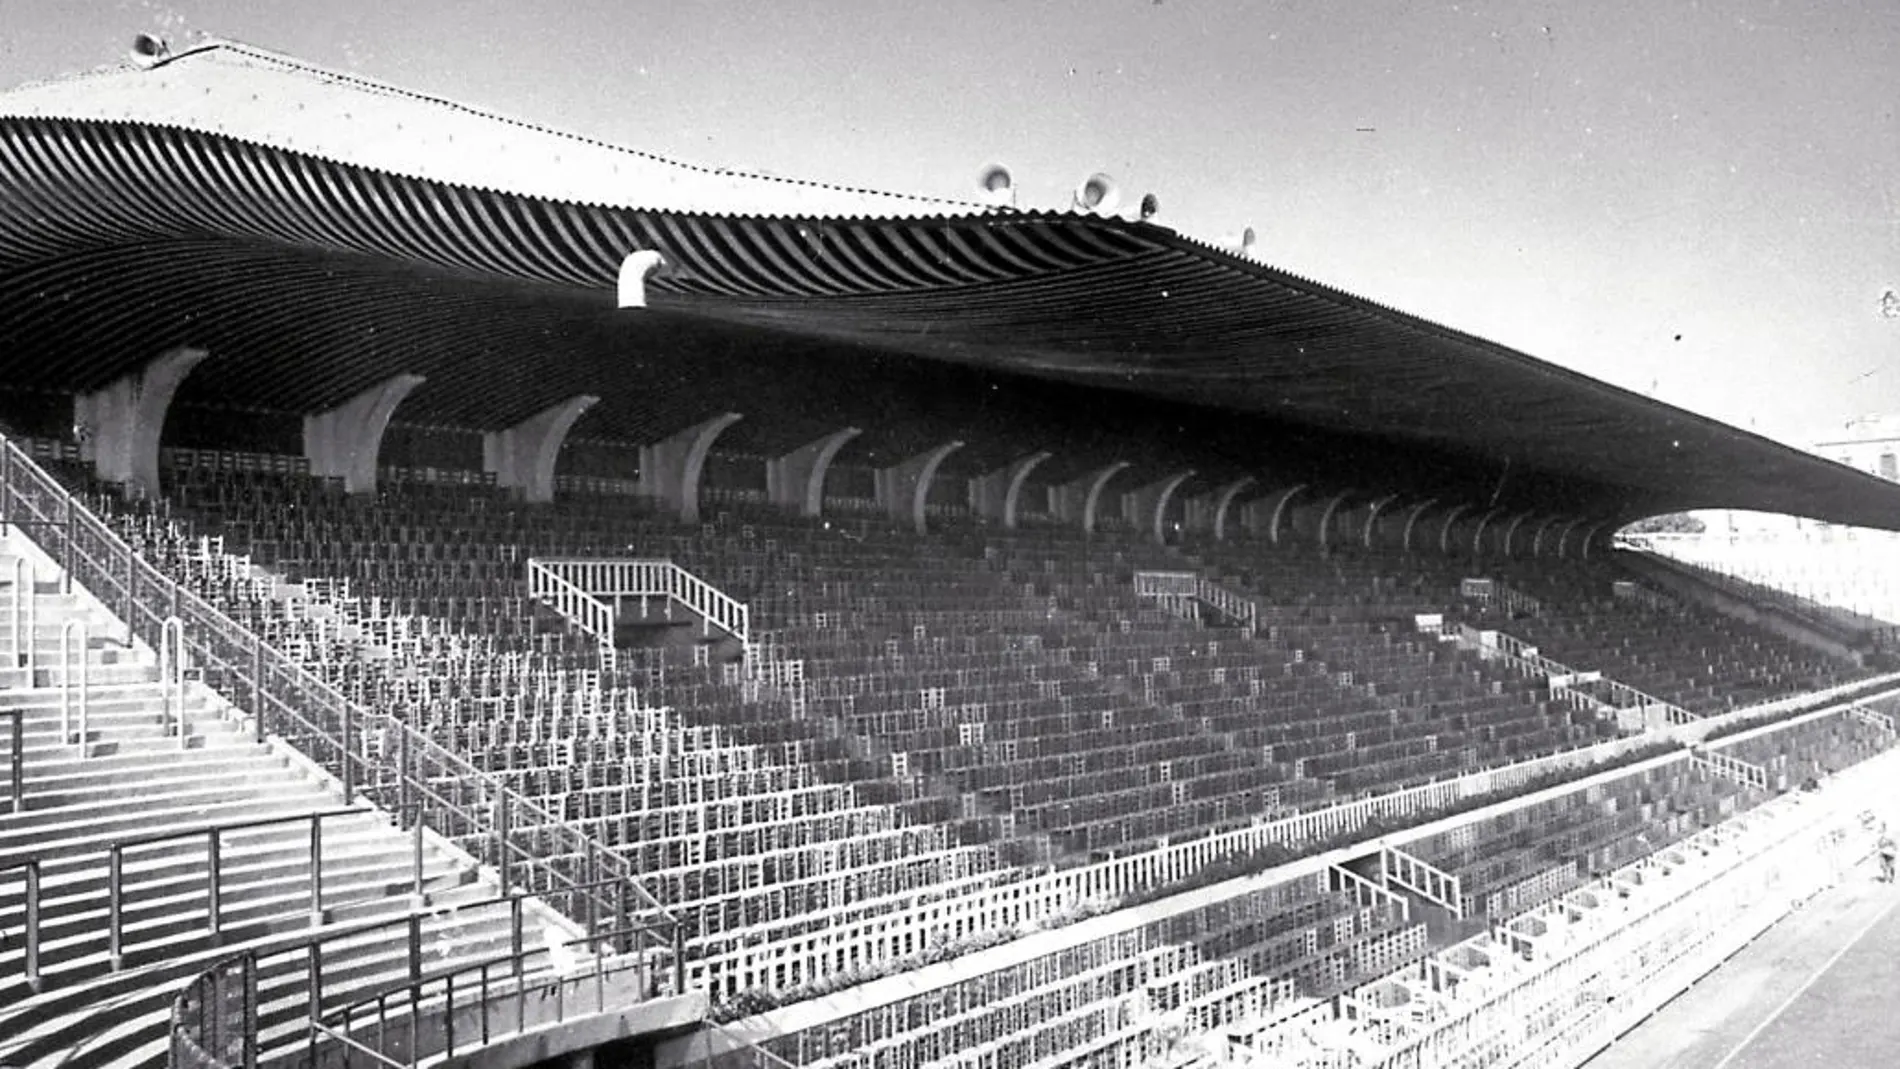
(527, 845)
(16, 758)
(1175, 587)
(67, 671)
(21, 615)
(610, 579)
(441, 1014)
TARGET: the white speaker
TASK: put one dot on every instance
(1098, 194)
(149, 50)
(996, 186)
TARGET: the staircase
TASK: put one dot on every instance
(166, 837)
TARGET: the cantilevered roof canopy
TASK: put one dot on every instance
(318, 233)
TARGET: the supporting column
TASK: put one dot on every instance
(1537, 540)
(1074, 501)
(1477, 536)
(344, 442)
(1510, 530)
(120, 424)
(1326, 518)
(634, 272)
(669, 470)
(904, 487)
(1279, 510)
(1411, 521)
(1563, 540)
(797, 479)
(522, 456)
(1590, 536)
(993, 496)
(1149, 504)
(1444, 533)
(1372, 517)
(1212, 509)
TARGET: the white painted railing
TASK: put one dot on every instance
(608, 579)
(1872, 716)
(1367, 893)
(171, 679)
(1608, 697)
(1743, 772)
(1423, 878)
(73, 675)
(22, 614)
(585, 611)
(1171, 588)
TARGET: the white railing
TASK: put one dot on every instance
(1367, 893)
(22, 613)
(171, 679)
(1872, 716)
(1496, 592)
(1625, 590)
(73, 670)
(1173, 588)
(608, 579)
(1742, 772)
(585, 611)
(1423, 878)
(1610, 698)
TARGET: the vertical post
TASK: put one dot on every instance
(33, 923)
(349, 754)
(316, 869)
(418, 853)
(250, 1009)
(131, 592)
(115, 907)
(214, 883)
(18, 759)
(313, 983)
(257, 688)
(501, 838)
(66, 543)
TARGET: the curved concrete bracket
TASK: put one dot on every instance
(123, 422)
(1326, 518)
(1224, 500)
(344, 442)
(993, 496)
(634, 272)
(669, 470)
(1563, 540)
(797, 479)
(1537, 540)
(1147, 505)
(1444, 533)
(1279, 510)
(1477, 534)
(1372, 517)
(1075, 501)
(1590, 536)
(522, 457)
(1418, 510)
(1510, 531)
(904, 488)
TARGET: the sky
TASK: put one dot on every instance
(1700, 201)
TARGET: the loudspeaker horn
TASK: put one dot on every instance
(996, 186)
(149, 50)
(1098, 194)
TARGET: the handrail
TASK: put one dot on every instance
(286, 698)
(409, 999)
(66, 671)
(16, 759)
(171, 678)
(30, 933)
(615, 577)
(22, 613)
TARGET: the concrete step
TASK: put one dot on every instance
(183, 854)
(172, 922)
(52, 779)
(48, 674)
(90, 831)
(128, 758)
(147, 690)
(111, 1014)
(237, 781)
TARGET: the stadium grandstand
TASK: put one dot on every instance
(479, 596)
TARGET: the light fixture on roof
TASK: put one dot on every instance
(634, 272)
(1098, 195)
(1150, 207)
(996, 186)
(1247, 239)
(149, 50)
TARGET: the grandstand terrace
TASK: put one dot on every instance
(559, 602)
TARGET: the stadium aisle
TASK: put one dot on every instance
(1816, 990)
